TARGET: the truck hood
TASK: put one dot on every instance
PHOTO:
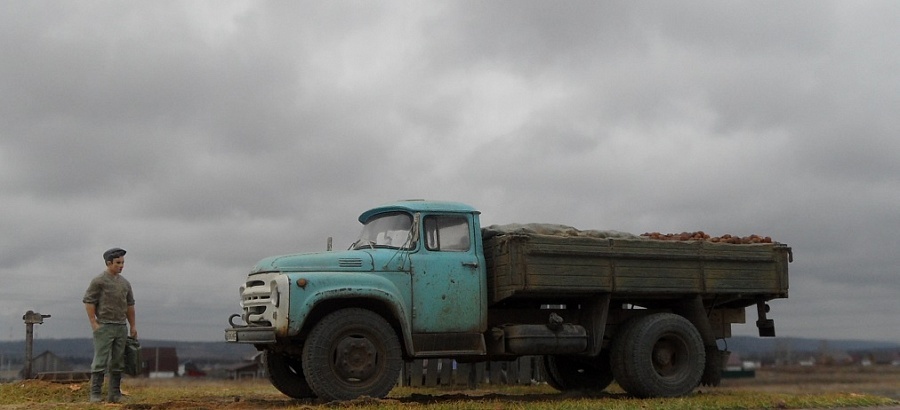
(349, 261)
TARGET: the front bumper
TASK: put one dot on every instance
(251, 334)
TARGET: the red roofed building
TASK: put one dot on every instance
(160, 362)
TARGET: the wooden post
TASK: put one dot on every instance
(31, 318)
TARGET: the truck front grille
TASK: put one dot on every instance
(260, 299)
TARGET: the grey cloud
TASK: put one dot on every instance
(203, 137)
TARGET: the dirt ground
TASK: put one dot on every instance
(175, 394)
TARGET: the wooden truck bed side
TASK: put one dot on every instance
(525, 266)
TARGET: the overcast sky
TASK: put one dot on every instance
(204, 136)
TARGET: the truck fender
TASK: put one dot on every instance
(319, 292)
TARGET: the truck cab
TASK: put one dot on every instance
(417, 265)
(436, 247)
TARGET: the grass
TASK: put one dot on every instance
(770, 390)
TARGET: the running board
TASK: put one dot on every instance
(448, 344)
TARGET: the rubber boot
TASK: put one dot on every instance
(114, 395)
(96, 387)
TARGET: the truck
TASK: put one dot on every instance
(425, 280)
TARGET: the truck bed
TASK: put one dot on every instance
(523, 266)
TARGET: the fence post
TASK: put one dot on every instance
(525, 370)
(415, 373)
(431, 373)
(446, 371)
(476, 370)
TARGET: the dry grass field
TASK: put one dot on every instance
(792, 388)
(881, 381)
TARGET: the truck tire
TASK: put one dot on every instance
(286, 374)
(659, 355)
(565, 373)
(351, 353)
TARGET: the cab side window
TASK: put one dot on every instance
(447, 233)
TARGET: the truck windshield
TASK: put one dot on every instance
(391, 230)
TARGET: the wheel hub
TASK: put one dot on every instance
(663, 355)
(355, 358)
(666, 358)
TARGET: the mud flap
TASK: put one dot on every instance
(715, 361)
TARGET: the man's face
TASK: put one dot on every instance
(116, 265)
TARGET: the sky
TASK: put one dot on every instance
(203, 136)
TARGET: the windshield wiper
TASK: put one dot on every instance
(358, 245)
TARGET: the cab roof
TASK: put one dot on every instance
(418, 205)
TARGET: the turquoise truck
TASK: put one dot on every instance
(425, 280)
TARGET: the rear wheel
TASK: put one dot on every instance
(286, 374)
(566, 373)
(352, 353)
(659, 355)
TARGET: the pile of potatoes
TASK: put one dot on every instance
(702, 236)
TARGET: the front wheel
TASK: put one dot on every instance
(659, 355)
(351, 353)
(286, 374)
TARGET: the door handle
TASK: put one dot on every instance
(473, 265)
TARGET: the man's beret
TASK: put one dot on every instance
(113, 253)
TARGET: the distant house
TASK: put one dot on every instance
(736, 367)
(160, 362)
(48, 362)
(190, 369)
(834, 358)
(50, 367)
(734, 362)
(891, 357)
(248, 369)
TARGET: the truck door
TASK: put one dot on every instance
(447, 278)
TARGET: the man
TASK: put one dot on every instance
(109, 303)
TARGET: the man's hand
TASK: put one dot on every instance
(132, 323)
(92, 315)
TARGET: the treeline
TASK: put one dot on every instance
(77, 350)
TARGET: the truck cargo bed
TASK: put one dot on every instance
(537, 266)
